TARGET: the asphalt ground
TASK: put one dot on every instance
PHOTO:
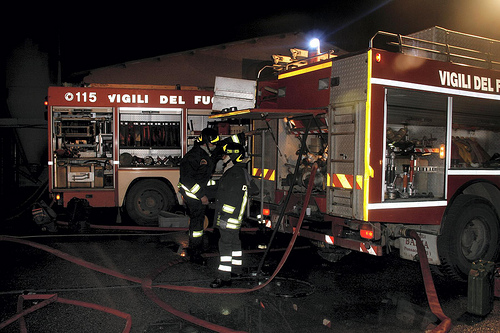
(360, 293)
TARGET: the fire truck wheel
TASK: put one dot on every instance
(146, 199)
(470, 232)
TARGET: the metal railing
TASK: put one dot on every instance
(444, 45)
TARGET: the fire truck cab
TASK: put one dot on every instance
(406, 135)
(119, 146)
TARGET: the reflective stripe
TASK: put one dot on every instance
(191, 195)
(187, 191)
(244, 203)
(195, 188)
(197, 234)
(233, 223)
(237, 253)
(224, 268)
(235, 138)
(228, 209)
(237, 262)
(211, 182)
(225, 258)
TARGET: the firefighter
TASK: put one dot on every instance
(218, 151)
(233, 190)
(195, 185)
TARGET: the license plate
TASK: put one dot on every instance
(408, 248)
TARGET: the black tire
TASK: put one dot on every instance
(146, 199)
(470, 232)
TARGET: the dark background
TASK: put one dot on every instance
(91, 34)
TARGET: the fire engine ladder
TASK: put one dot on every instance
(262, 132)
(343, 158)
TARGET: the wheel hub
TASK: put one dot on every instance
(474, 239)
(150, 202)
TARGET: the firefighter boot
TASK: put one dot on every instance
(195, 256)
(195, 250)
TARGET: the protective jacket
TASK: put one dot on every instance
(232, 196)
(195, 172)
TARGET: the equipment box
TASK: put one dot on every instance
(171, 220)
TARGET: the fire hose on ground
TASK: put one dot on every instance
(147, 285)
(430, 290)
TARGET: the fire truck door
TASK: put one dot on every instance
(346, 156)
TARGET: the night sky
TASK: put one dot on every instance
(97, 34)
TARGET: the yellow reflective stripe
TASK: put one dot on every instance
(191, 195)
(233, 223)
(359, 182)
(211, 182)
(267, 174)
(305, 70)
(343, 180)
(235, 138)
(195, 188)
(197, 233)
(187, 191)
(368, 168)
(243, 204)
(228, 209)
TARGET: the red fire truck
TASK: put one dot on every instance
(119, 146)
(406, 135)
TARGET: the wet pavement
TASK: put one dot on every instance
(360, 293)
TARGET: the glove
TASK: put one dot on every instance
(222, 224)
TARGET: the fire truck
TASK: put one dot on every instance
(405, 135)
(120, 146)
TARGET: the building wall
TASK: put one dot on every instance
(199, 67)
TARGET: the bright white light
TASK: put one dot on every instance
(314, 44)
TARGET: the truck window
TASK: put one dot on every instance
(475, 134)
(415, 136)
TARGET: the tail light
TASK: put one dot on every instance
(370, 231)
(58, 198)
(366, 231)
(265, 218)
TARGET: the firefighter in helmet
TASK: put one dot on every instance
(195, 185)
(233, 190)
